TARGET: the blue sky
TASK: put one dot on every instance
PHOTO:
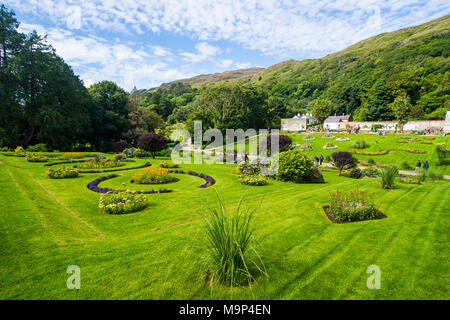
(144, 43)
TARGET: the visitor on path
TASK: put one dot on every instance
(321, 159)
(317, 160)
(418, 165)
(246, 157)
(426, 165)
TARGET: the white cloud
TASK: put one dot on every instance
(300, 28)
(204, 52)
(225, 63)
(243, 65)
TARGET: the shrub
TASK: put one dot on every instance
(295, 166)
(353, 206)
(62, 173)
(129, 152)
(229, 237)
(252, 180)
(99, 164)
(121, 202)
(152, 142)
(388, 176)
(405, 165)
(166, 153)
(371, 161)
(140, 153)
(40, 147)
(306, 147)
(72, 155)
(119, 146)
(5, 149)
(342, 160)
(36, 158)
(153, 176)
(355, 173)
(168, 164)
(284, 143)
(252, 168)
(360, 144)
(308, 137)
(442, 152)
(120, 156)
(371, 172)
(19, 152)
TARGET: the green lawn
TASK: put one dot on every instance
(159, 253)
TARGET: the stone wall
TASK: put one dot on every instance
(393, 125)
(293, 124)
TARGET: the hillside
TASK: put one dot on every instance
(365, 77)
(241, 75)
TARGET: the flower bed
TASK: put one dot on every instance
(371, 172)
(352, 206)
(122, 202)
(148, 164)
(72, 155)
(402, 141)
(328, 136)
(251, 168)
(100, 163)
(308, 138)
(330, 146)
(153, 176)
(343, 139)
(168, 164)
(385, 152)
(36, 158)
(62, 173)
(306, 147)
(252, 180)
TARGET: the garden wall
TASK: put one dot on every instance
(392, 125)
(293, 124)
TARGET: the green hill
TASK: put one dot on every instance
(365, 77)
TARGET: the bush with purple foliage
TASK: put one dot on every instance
(152, 142)
(119, 146)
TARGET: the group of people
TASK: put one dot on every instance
(319, 160)
(425, 166)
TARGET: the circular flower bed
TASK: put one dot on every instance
(121, 202)
(153, 176)
(330, 146)
(343, 139)
(62, 173)
(306, 147)
(328, 136)
(308, 138)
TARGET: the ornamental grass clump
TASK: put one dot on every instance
(122, 202)
(62, 173)
(36, 158)
(360, 144)
(388, 176)
(168, 164)
(353, 206)
(229, 232)
(153, 176)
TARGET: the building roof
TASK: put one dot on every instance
(335, 119)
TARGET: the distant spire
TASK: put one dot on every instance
(134, 90)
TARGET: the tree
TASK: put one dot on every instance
(320, 109)
(110, 116)
(442, 152)
(284, 143)
(401, 108)
(152, 142)
(119, 146)
(342, 159)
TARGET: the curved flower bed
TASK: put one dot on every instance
(93, 185)
(62, 162)
(148, 164)
(385, 152)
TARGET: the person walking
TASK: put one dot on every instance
(246, 157)
(321, 159)
(317, 160)
(426, 165)
(418, 165)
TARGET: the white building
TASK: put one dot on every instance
(336, 122)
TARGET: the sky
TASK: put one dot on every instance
(144, 43)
